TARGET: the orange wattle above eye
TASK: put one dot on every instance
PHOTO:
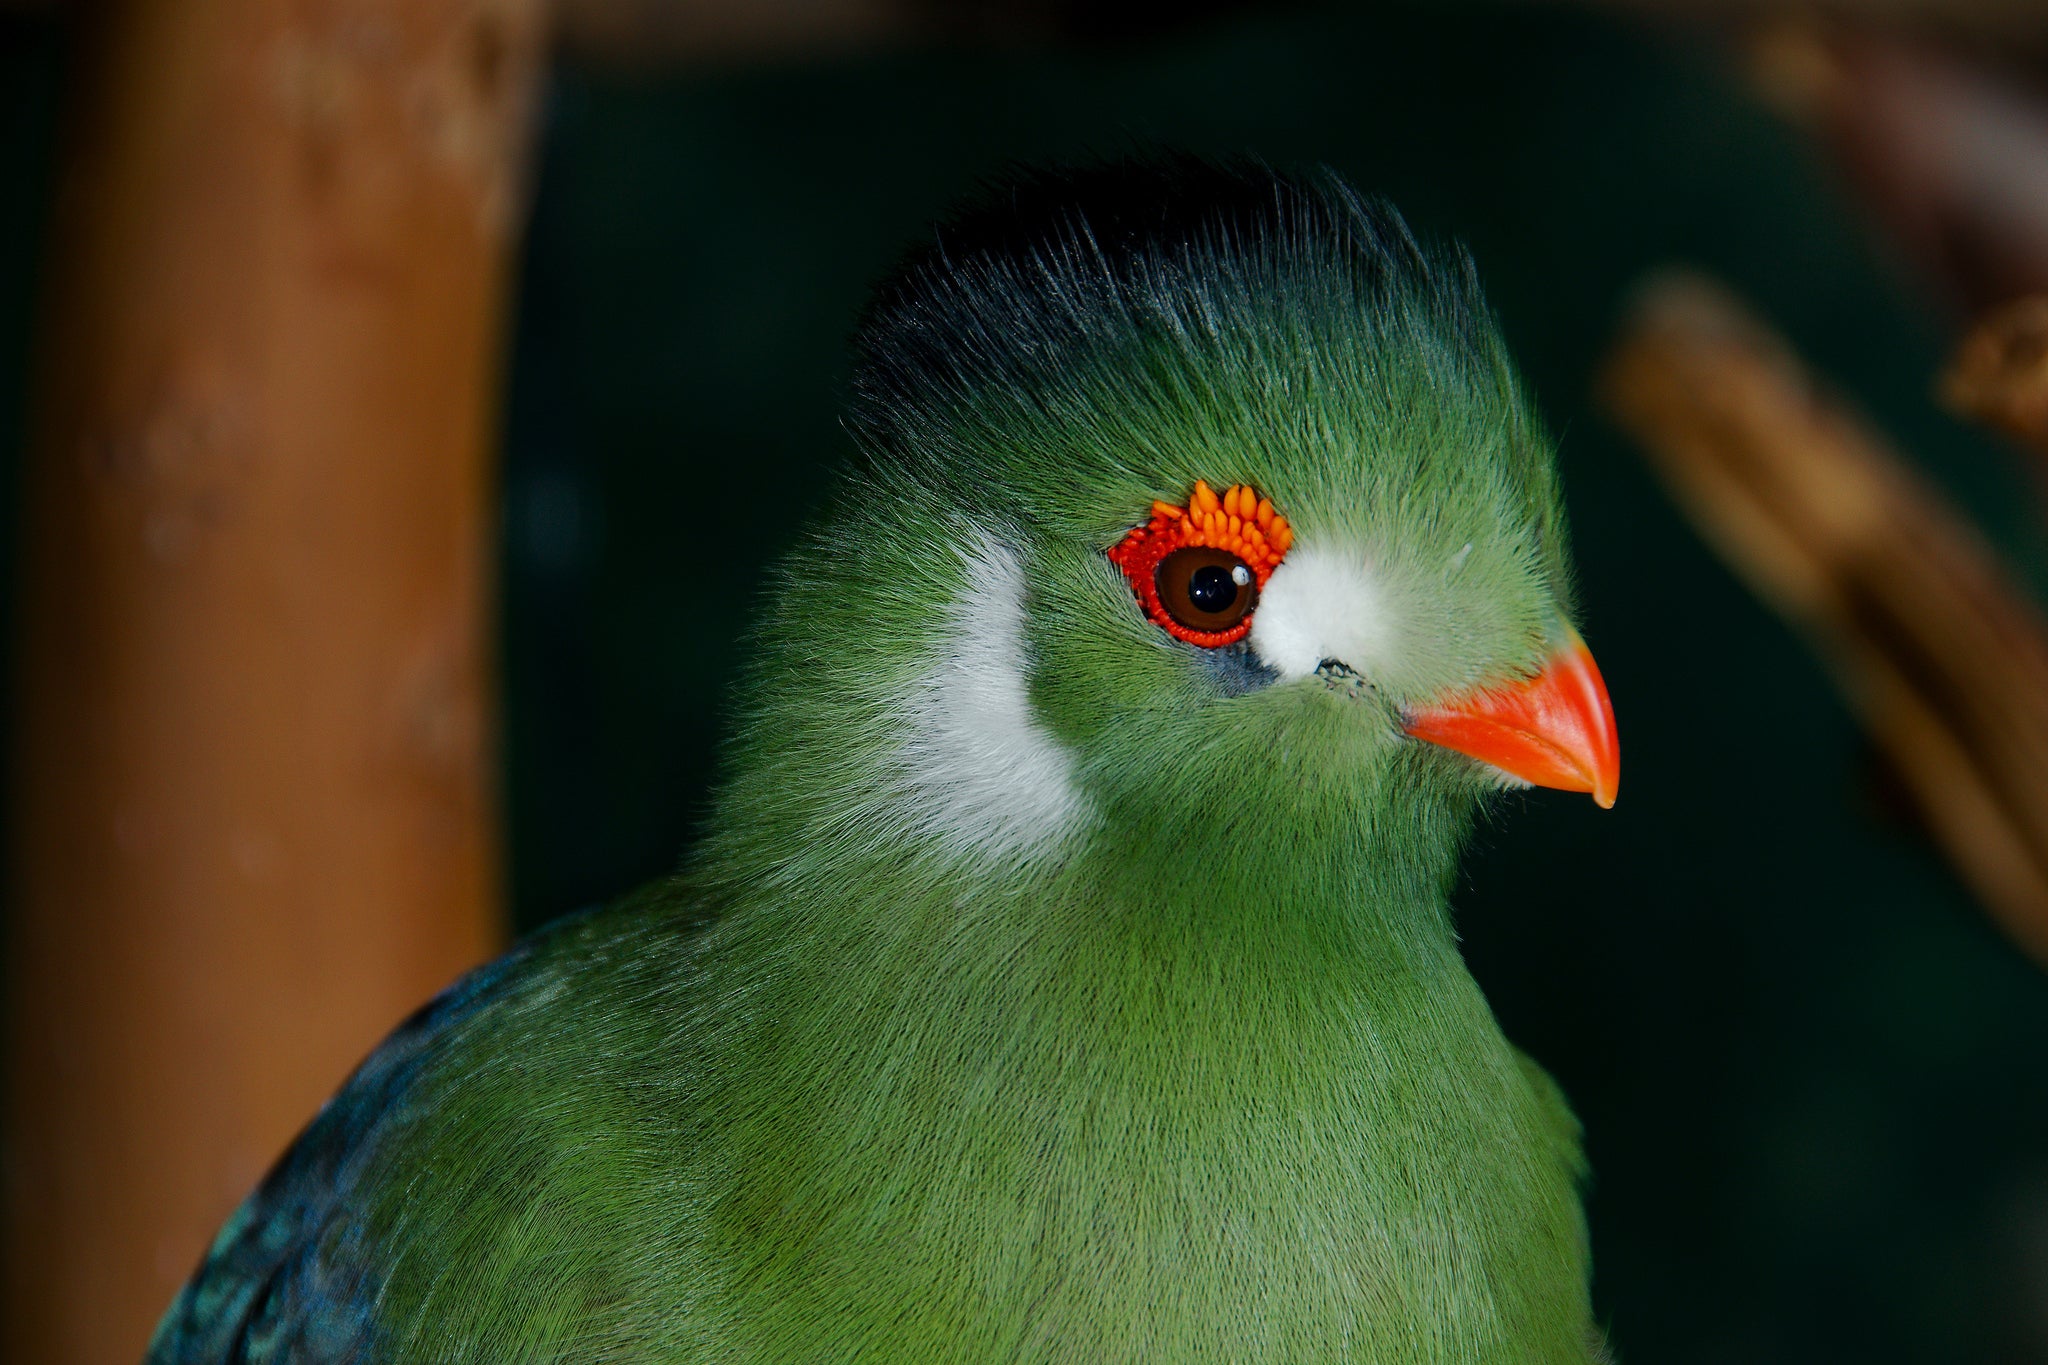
(1197, 570)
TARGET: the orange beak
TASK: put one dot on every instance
(1553, 730)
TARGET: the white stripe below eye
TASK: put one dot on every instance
(984, 775)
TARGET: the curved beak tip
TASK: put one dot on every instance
(1553, 730)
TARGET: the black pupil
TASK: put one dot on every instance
(1212, 589)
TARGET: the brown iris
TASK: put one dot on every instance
(1205, 589)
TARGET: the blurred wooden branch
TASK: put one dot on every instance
(251, 790)
(1999, 375)
(1949, 153)
(1945, 660)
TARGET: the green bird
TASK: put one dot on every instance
(1068, 971)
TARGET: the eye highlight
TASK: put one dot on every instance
(1197, 570)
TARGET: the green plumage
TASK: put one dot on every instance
(1046, 989)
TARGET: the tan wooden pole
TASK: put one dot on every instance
(252, 807)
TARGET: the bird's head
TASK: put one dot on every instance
(1203, 510)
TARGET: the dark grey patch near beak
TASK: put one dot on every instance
(1235, 669)
(1339, 676)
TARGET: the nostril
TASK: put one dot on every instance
(1337, 674)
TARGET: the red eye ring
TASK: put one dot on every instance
(1239, 529)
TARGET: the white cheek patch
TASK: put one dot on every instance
(1323, 603)
(981, 773)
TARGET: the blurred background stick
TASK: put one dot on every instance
(251, 812)
(1945, 143)
(1944, 658)
(1999, 375)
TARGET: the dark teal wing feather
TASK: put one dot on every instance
(291, 1278)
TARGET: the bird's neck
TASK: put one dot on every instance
(1041, 983)
(976, 977)
(1187, 1081)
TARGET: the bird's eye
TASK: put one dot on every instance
(1197, 569)
(1206, 589)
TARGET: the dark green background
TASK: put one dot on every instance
(1812, 1078)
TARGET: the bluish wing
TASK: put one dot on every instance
(289, 1278)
